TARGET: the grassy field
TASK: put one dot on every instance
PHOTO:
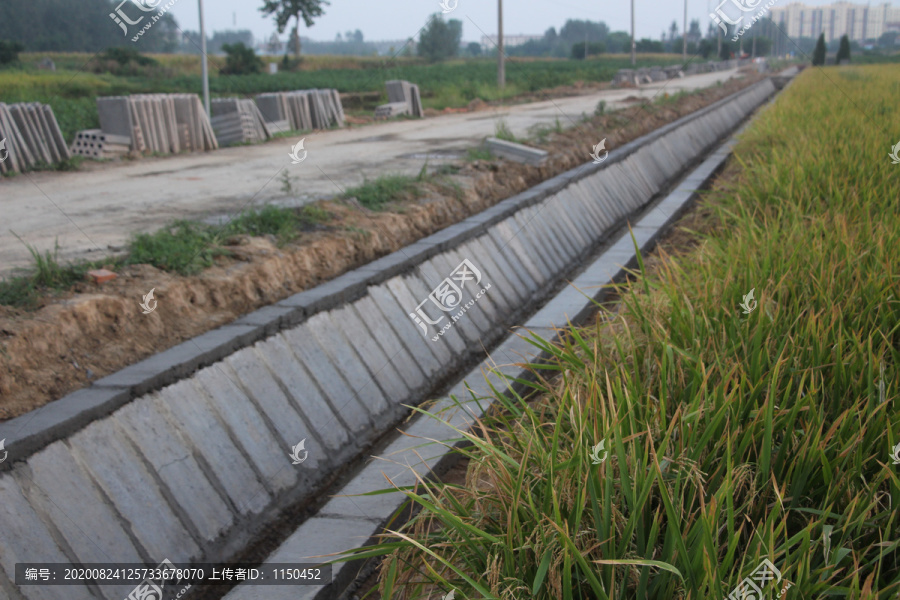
(732, 437)
(72, 89)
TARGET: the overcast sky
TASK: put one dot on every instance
(401, 19)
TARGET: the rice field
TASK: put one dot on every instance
(733, 437)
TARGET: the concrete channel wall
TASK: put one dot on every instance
(186, 455)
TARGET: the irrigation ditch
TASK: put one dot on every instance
(186, 456)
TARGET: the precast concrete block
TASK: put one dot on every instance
(405, 328)
(249, 429)
(372, 354)
(334, 387)
(414, 376)
(451, 337)
(176, 466)
(405, 298)
(191, 414)
(256, 378)
(105, 453)
(63, 491)
(345, 359)
(24, 537)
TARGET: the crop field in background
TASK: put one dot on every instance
(740, 436)
(72, 89)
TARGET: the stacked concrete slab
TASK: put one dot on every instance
(160, 123)
(403, 91)
(215, 418)
(302, 109)
(238, 121)
(93, 143)
(30, 136)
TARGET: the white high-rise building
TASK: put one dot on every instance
(860, 22)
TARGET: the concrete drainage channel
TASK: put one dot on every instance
(186, 456)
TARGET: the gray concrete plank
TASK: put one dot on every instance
(177, 468)
(104, 452)
(195, 419)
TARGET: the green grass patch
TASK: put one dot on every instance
(375, 193)
(729, 438)
(46, 277)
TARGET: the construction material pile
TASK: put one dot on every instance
(301, 110)
(161, 123)
(399, 93)
(29, 136)
(93, 143)
(238, 121)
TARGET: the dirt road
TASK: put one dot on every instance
(91, 211)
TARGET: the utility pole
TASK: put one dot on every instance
(633, 46)
(203, 59)
(684, 51)
(501, 68)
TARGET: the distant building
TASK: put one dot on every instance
(489, 42)
(859, 22)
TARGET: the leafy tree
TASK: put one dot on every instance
(619, 41)
(440, 39)
(819, 53)
(706, 48)
(285, 10)
(844, 50)
(241, 60)
(694, 32)
(673, 31)
(575, 30)
(648, 45)
(593, 49)
(474, 49)
(9, 52)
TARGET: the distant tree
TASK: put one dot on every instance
(648, 45)
(338, 37)
(819, 53)
(358, 36)
(285, 10)
(550, 35)
(474, 49)
(888, 38)
(619, 41)
(439, 39)
(575, 30)
(9, 52)
(706, 48)
(593, 48)
(673, 31)
(274, 45)
(694, 33)
(844, 51)
(241, 60)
